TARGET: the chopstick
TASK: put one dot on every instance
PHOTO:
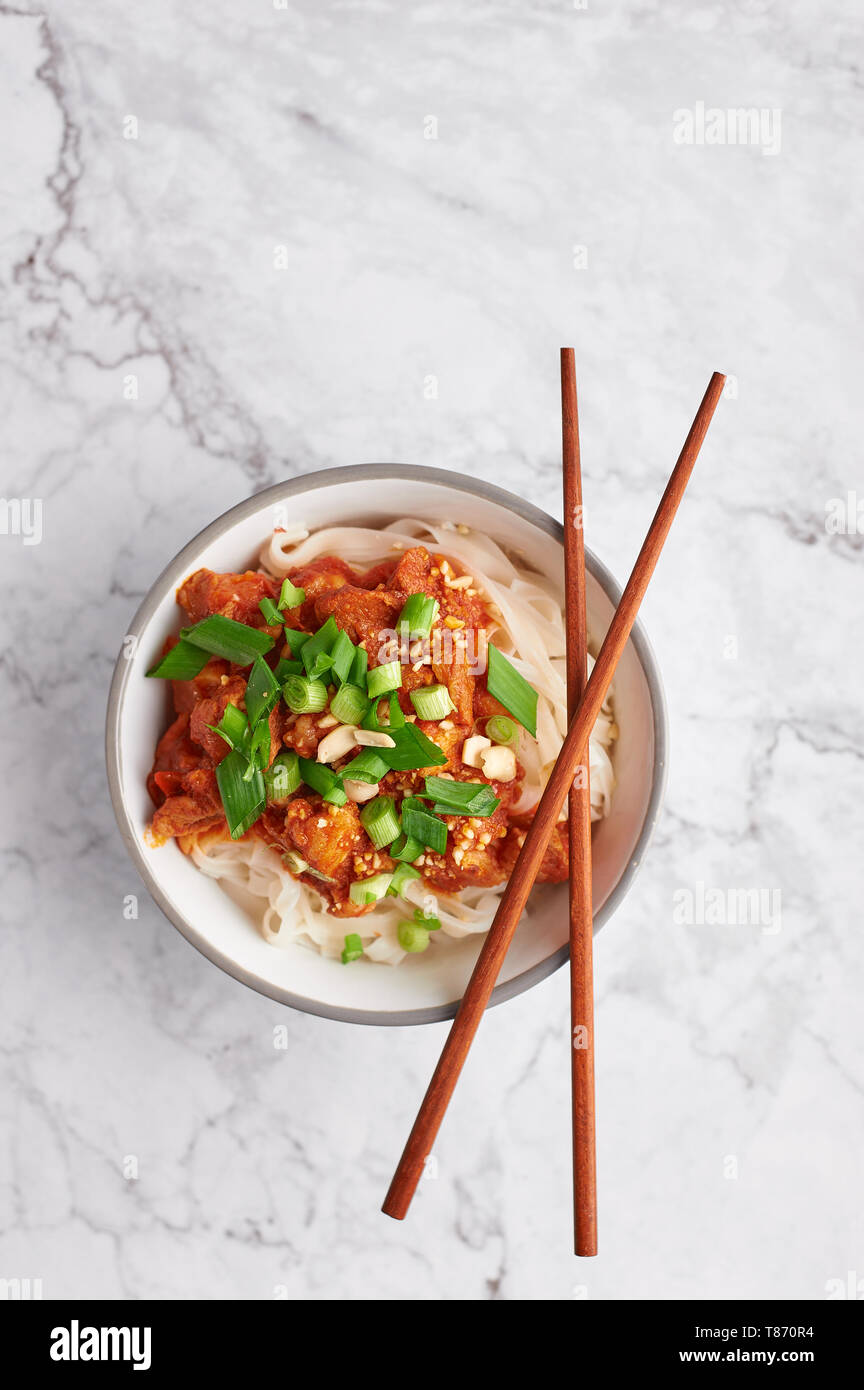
(491, 958)
(579, 835)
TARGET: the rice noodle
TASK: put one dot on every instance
(528, 626)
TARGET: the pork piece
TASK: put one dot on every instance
(469, 861)
(556, 861)
(319, 577)
(235, 596)
(186, 694)
(325, 836)
(453, 670)
(301, 733)
(176, 754)
(198, 807)
(377, 575)
(210, 711)
(362, 614)
(412, 573)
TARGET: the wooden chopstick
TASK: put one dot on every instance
(579, 835)
(491, 958)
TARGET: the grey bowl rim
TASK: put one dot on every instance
(308, 482)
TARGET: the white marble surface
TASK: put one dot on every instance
(407, 258)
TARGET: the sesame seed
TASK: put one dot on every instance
(463, 529)
(321, 822)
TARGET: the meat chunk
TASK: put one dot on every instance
(198, 807)
(325, 836)
(235, 596)
(176, 754)
(364, 615)
(186, 694)
(210, 711)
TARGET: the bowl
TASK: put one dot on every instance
(427, 988)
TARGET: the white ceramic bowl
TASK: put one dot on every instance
(427, 988)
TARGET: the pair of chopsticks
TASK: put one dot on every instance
(584, 710)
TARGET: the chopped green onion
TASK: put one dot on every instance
(182, 663)
(282, 777)
(233, 641)
(430, 923)
(368, 890)
(290, 597)
(285, 668)
(304, 696)
(233, 727)
(316, 652)
(272, 616)
(432, 701)
(353, 949)
(262, 691)
(259, 750)
(324, 780)
(383, 678)
(349, 704)
(511, 690)
(368, 766)
(292, 860)
(342, 656)
(411, 750)
(502, 730)
(360, 667)
(405, 849)
(461, 798)
(423, 825)
(396, 718)
(296, 639)
(412, 938)
(242, 799)
(380, 821)
(402, 874)
(417, 616)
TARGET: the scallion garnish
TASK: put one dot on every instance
(417, 616)
(342, 655)
(243, 799)
(380, 821)
(232, 641)
(423, 825)
(430, 923)
(502, 730)
(402, 874)
(511, 690)
(282, 777)
(349, 704)
(461, 798)
(259, 750)
(405, 849)
(315, 653)
(411, 750)
(272, 616)
(262, 691)
(324, 780)
(383, 678)
(304, 696)
(368, 766)
(412, 938)
(233, 727)
(360, 667)
(369, 890)
(285, 667)
(431, 701)
(182, 663)
(296, 639)
(353, 948)
(289, 597)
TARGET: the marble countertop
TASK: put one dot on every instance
(241, 242)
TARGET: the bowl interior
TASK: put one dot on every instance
(428, 987)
